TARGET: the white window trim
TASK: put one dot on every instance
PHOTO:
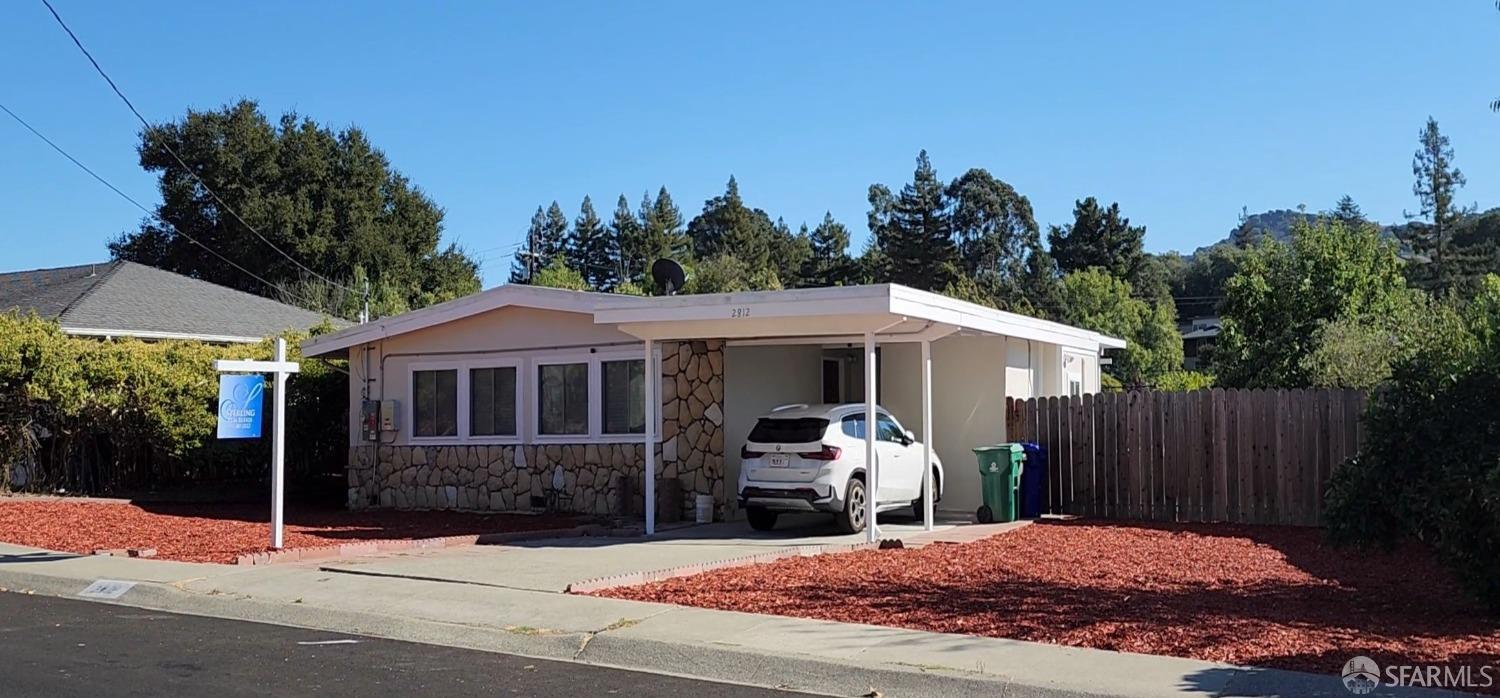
(528, 393)
(411, 401)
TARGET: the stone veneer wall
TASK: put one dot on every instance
(503, 478)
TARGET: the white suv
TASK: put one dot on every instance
(812, 458)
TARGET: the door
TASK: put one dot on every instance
(833, 381)
(900, 466)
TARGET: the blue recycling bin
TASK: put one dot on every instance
(1033, 494)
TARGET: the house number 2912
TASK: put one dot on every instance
(739, 312)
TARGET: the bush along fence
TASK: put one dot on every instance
(1240, 456)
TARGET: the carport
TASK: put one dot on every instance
(864, 316)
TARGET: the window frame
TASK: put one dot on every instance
(466, 431)
(591, 370)
(599, 407)
(460, 399)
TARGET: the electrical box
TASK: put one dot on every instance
(376, 416)
(387, 415)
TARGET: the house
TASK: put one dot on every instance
(1198, 333)
(126, 299)
(489, 401)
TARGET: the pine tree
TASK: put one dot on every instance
(1348, 212)
(727, 226)
(789, 253)
(662, 222)
(1098, 237)
(629, 241)
(527, 261)
(1437, 183)
(829, 264)
(913, 230)
(591, 249)
(554, 237)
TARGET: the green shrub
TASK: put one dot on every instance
(96, 416)
(1183, 381)
(1430, 466)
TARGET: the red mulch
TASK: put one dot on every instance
(219, 532)
(1250, 595)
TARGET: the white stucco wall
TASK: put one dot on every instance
(1022, 379)
(757, 379)
(968, 404)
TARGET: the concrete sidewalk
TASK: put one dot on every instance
(808, 655)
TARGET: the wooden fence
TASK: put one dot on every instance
(1243, 456)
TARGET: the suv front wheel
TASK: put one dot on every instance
(852, 518)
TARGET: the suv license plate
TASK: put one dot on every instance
(779, 460)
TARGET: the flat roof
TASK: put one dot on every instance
(840, 313)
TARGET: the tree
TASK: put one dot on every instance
(547, 237)
(828, 263)
(1348, 212)
(1095, 299)
(629, 234)
(591, 249)
(557, 274)
(663, 235)
(789, 253)
(728, 226)
(1438, 181)
(1099, 237)
(1282, 294)
(330, 200)
(991, 224)
(914, 231)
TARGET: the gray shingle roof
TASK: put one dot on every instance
(126, 298)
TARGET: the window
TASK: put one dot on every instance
(854, 426)
(435, 402)
(889, 430)
(1075, 387)
(492, 401)
(563, 399)
(804, 430)
(624, 396)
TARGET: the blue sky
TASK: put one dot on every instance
(1182, 111)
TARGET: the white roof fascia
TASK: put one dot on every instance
(972, 316)
(153, 334)
(457, 309)
(830, 301)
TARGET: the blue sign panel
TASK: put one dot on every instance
(240, 405)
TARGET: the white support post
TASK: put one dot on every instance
(653, 422)
(928, 493)
(278, 446)
(872, 466)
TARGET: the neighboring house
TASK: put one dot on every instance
(125, 299)
(1197, 333)
(522, 394)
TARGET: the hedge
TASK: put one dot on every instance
(109, 416)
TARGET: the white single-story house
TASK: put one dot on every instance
(522, 394)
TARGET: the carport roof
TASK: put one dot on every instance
(835, 314)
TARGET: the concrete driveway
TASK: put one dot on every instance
(552, 565)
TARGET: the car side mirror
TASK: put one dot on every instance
(910, 437)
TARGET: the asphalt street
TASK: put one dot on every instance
(63, 647)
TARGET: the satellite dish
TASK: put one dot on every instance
(668, 275)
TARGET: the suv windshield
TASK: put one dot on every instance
(788, 431)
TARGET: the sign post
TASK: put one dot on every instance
(239, 415)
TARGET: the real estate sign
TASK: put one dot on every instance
(241, 398)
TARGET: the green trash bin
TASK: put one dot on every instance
(999, 481)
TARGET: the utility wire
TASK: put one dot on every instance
(138, 204)
(178, 158)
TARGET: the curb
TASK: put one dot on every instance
(628, 579)
(369, 547)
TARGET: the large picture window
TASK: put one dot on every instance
(492, 401)
(624, 396)
(435, 402)
(563, 399)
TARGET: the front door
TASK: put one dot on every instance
(833, 381)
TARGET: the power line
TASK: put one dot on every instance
(175, 156)
(138, 204)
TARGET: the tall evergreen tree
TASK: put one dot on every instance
(1438, 182)
(991, 222)
(914, 231)
(554, 238)
(789, 253)
(1099, 237)
(662, 224)
(728, 226)
(527, 262)
(591, 249)
(829, 263)
(1348, 212)
(629, 235)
